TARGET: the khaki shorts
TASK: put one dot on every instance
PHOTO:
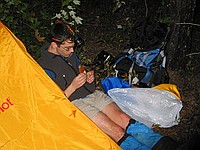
(93, 103)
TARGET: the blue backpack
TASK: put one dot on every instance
(144, 64)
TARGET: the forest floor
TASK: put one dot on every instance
(100, 33)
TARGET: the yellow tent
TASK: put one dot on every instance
(34, 113)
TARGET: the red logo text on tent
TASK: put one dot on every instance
(5, 105)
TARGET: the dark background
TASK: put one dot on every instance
(100, 33)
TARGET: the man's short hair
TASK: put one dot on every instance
(60, 32)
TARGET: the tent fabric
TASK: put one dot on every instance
(171, 88)
(34, 113)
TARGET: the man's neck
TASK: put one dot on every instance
(52, 50)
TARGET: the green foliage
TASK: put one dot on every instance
(162, 13)
(30, 20)
(70, 15)
(21, 18)
(82, 53)
(118, 5)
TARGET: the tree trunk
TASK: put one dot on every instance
(179, 45)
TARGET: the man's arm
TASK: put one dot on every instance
(77, 82)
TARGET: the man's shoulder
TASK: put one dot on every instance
(44, 54)
(45, 47)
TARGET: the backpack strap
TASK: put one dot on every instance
(130, 73)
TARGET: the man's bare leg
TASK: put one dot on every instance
(117, 115)
(117, 133)
(108, 126)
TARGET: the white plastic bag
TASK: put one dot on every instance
(148, 105)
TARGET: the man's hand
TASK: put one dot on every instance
(76, 83)
(79, 81)
(90, 76)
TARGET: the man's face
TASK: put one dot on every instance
(66, 48)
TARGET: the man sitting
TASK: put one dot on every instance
(61, 64)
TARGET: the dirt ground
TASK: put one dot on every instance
(99, 30)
